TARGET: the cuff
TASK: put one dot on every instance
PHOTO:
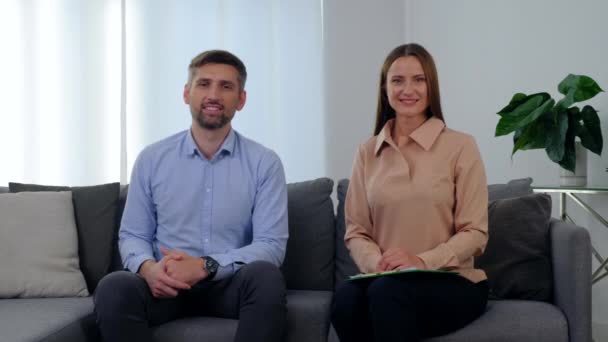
(438, 258)
(133, 263)
(372, 264)
(227, 267)
(224, 272)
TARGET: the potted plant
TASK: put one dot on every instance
(539, 122)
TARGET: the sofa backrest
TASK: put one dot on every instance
(309, 261)
(122, 200)
(345, 266)
(317, 258)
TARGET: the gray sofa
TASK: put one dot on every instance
(316, 260)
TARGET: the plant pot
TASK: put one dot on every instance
(579, 176)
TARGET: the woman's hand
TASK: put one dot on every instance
(397, 258)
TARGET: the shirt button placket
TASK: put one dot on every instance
(207, 200)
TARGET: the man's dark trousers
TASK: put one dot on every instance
(255, 295)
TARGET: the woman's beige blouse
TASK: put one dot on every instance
(428, 196)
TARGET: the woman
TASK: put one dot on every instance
(417, 198)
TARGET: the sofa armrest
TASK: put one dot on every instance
(571, 258)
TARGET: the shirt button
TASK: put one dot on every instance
(206, 240)
(208, 189)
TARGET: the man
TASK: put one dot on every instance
(205, 224)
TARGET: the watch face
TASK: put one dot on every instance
(211, 265)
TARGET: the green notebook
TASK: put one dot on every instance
(406, 270)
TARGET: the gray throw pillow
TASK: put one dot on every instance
(514, 188)
(96, 211)
(345, 266)
(517, 258)
(39, 246)
(309, 260)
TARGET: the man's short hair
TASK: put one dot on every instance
(218, 57)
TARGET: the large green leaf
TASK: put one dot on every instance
(584, 87)
(575, 113)
(557, 127)
(568, 162)
(517, 99)
(590, 130)
(530, 137)
(577, 88)
(524, 114)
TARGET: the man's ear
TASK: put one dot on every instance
(242, 100)
(187, 93)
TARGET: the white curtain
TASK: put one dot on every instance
(70, 108)
(60, 91)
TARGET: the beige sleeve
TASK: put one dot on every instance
(358, 238)
(470, 213)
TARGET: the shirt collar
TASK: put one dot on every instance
(190, 149)
(425, 135)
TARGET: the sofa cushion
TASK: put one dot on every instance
(307, 320)
(513, 320)
(308, 315)
(309, 260)
(95, 208)
(345, 266)
(39, 246)
(517, 258)
(48, 319)
(514, 188)
(208, 329)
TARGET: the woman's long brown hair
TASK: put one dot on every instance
(384, 111)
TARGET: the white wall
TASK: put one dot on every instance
(358, 34)
(485, 52)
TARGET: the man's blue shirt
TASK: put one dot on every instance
(232, 207)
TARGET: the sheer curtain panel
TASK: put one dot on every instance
(87, 84)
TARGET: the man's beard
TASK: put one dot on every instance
(216, 124)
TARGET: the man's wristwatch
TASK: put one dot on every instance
(211, 266)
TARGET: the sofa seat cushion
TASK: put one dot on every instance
(307, 320)
(47, 319)
(513, 320)
(308, 314)
(208, 329)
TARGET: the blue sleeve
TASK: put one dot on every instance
(138, 224)
(269, 221)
